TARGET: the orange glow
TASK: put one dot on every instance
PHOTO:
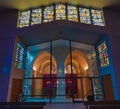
(41, 63)
(79, 62)
(86, 68)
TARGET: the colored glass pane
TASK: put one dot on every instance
(84, 15)
(94, 64)
(36, 16)
(60, 12)
(72, 13)
(18, 64)
(97, 17)
(19, 56)
(20, 49)
(48, 14)
(103, 55)
(97, 89)
(24, 19)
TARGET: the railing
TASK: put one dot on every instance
(93, 93)
(102, 104)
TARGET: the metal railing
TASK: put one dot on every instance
(49, 92)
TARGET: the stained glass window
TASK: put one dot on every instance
(60, 12)
(94, 64)
(84, 15)
(36, 16)
(24, 19)
(19, 59)
(97, 89)
(97, 17)
(72, 13)
(103, 55)
(48, 14)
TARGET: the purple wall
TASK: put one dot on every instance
(7, 38)
(8, 32)
(6, 49)
(113, 23)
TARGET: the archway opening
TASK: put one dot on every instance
(42, 69)
(61, 72)
(74, 71)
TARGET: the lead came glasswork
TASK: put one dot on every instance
(48, 14)
(94, 64)
(28, 63)
(97, 89)
(97, 17)
(72, 13)
(36, 16)
(60, 12)
(84, 15)
(24, 19)
(19, 56)
(103, 55)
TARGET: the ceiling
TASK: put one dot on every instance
(6, 5)
(50, 31)
(62, 43)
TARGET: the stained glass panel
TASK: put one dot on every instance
(72, 13)
(97, 89)
(84, 15)
(24, 19)
(19, 56)
(60, 12)
(36, 16)
(97, 17)
(48, 14)
(103, 55)
(94, 64)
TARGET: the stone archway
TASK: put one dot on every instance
(80, 68)
(40, 67)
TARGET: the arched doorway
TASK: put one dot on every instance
(41, 72)
(76, 73)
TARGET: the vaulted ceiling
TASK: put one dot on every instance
(26, 4)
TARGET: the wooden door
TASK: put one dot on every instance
(107, 88)
(16, 89)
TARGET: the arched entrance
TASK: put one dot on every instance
(76, 72)
(61, 72)
(41, 71)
